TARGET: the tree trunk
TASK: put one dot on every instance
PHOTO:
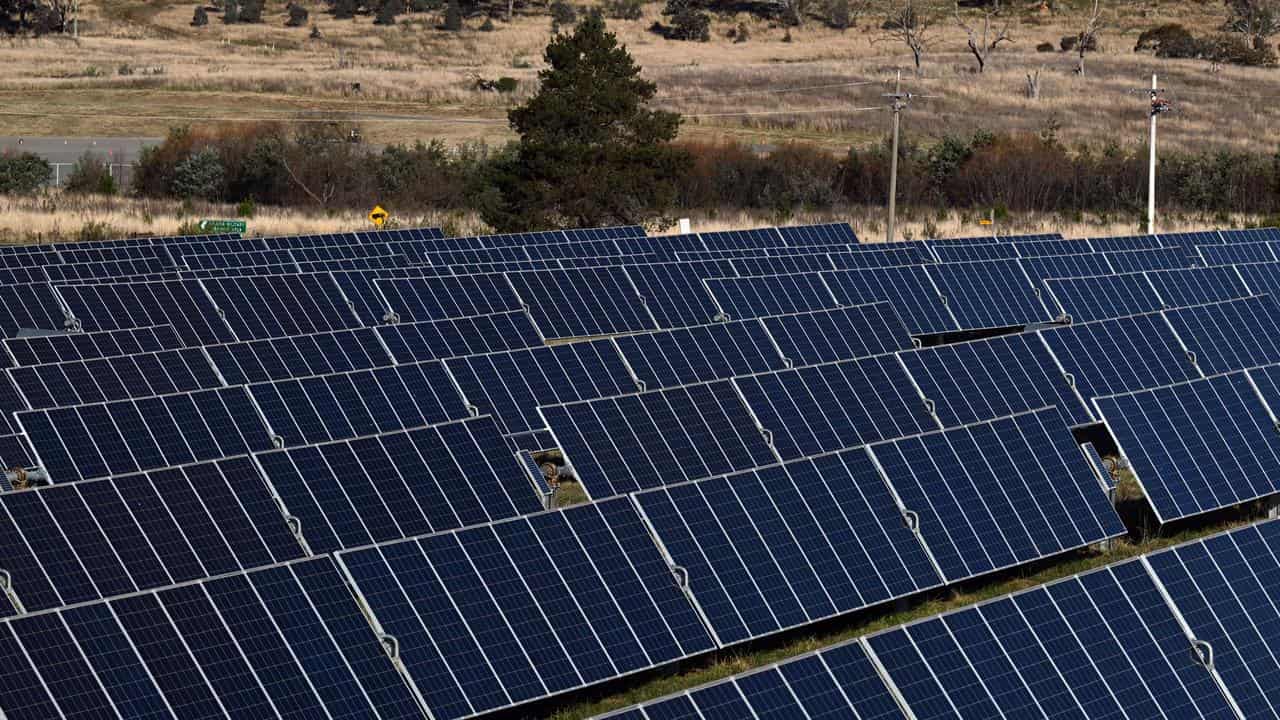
(511, 6)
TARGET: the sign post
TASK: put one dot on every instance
(222, 226)
(378, 216)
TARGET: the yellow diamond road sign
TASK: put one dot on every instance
(377, 215)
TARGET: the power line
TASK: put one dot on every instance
(776, 91)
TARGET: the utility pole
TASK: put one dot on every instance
(898, 101)
(1158, 105)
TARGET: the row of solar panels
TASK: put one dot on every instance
(1180, 633)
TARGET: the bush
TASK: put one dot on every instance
(623, 9)
(94, 231)
(502, 84)
(838, 15)
(23, 174)
(1070, 42)
(90, 176)
(687, 22)
(1235, 50)
(345, 9)
(251, 11)
(246, 208)
(1045, 47)
(563, 15)
(230, 11)
(297, 15)
(388, 11)
(487, 25)
(200, 17)
(200, 176)
(741, 34)
(1170, 41)
(453, 16)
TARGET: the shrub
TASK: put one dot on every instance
(388, 11)
(90, 176)
(315, 32)
(200, 17)
(1070, 42)
(199, 176)
(838, 15)
(453, 16)
(487, 25)
(563, 15)
(23, 174)
(1170, 40)
(251, 11)
(297, 15)
(345, 9)
(1045, 47)
(246, 208)
(1237, 51)
(623, 9)
(94, 231)
(741, 34)
(687, 21)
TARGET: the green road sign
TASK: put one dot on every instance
(222, 226)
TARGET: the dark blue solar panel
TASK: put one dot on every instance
(511, 385)
(113, 269)
(1113, 356)
(834, 406)
(1196, 446)
(117, 378)
(1125, 242)
(781, 264)
(1097, 298)
(583, 302)
(1058, 266)
(246, 261)
(749, 297)
(32, 307)
(1195, 286)
(439, 339)
(844, 334)
(117, 438)
(948, 252)
(631, 442)
(1127, 261)
(96, 539)
(536, 606)
(989, 294)
(914, 254)
(39, 350)
(997, 494)
(1223, 588)
(183, 304)
(274, 306)
(743, 239)
(697, 354)
(354, 492)
(986, 379)
(1232, 335)
(255, 361)
(321, 408)
(674, 293)
(1236, 253)
(594, 248)
(1102, 644)
(788, 544)
(438, 298)
(910, 291)
(1046, 248)
(825, 234)
(11, 401)
(1265, 234)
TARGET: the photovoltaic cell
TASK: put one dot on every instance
(790, 544)
(751, 297)
(1266, 234)
(439, 339)
(1195, 286)
(986, 379)
(1098, 298)
(909, 290)
(39, 350)
(824, 234)
(997, 494)
(303, 411)
(438, 298)
(844, 334)
(1128, 261)
(916, 254)
(1125, 242)
(1230, 336)
(117, 438)
(275, 306)
(631, 442)
(77, 542)
(32, 307)
(1196, 446)
(383, 487)
(1142, 351)
(673, 292)
(529, 608)
(583, 302)
(948, 252)
(1235, 253)
(781, 264)
(255, 361)
(1046, 248)
(668, 358)
(822, 408)
(988, 294)
(78, 382)
(1064, 266)
(180, 303)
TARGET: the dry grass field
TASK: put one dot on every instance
(417, 81)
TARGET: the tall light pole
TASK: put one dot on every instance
(1158, 105)
(898, 101)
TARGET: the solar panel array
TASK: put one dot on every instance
(292, 476)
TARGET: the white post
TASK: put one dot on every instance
(893, 163)
(685, 227)
(1151, 170)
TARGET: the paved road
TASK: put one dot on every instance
(68, 150)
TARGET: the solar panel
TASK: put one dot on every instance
(742, 239)
(583, 302)
(77, 382)
(1265, 234)
(377, 262)
(437, 298)
(999, 493)
(1091, 454)
(105, 270)
(954, 252)
(1261, 278)
(274, 306)
(358, 491)
(1196, 446)
(1192, 239)
(341, 252)
(915, 254)
(618, 232)
(38, 350)
(276, 642)
(986, 379)
(184, 304)
(787, 545)
(77, 542)
(321, 408)
(15, 452)
(1223, 589)
(438, 339)
(673, 292)
(823, 234)
(1125, 242)
(989, 294)
(32, 307)
(781, 265)
(1047, 248)
(533, 606)
(1235, 253)
(1127, 261)
(581, 249)
(1097, 298)
(631, 442)
(844, 334)
(1195, 286)
(511, 385)
(839, 682)
(1065, 266)
(910, 291)
(750, 297)
(116, 438)
(1113, 356)
(71, 254)
(1230, 336)
(246, 260)
(1101, 644)
(697, 354)
(255, 361)
(822, 408)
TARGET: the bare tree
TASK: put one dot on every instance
(1033, 85)
(982, 36)
(910, 25)
(1257, 20)
(1087, 38)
